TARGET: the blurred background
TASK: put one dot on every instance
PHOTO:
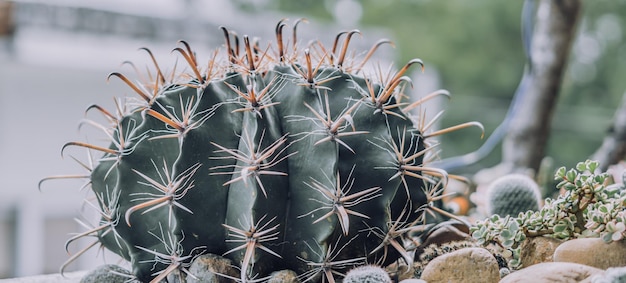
(55, 56)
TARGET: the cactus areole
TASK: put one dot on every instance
(277, 157)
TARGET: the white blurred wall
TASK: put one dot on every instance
(49, 74)
(51, 69)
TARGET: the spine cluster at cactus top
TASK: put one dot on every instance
(277, 157)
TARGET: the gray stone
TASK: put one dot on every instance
(401, 271)
(552, 272)
(108, 273)
(593, 252)
(538, 249)
(443, 233)
(283, 276)
(367, 274)
(211, 268)
(466, 265)
(176, 276)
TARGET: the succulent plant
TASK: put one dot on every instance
(512, 194)
(588, 207)
(275, 157)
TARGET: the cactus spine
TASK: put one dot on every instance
(295, 160)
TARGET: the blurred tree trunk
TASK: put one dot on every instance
(613, 148)
(525, 143)
(7, 24)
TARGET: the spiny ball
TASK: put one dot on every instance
(512, 194)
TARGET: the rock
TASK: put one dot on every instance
(552, 272)
(176, 276)
(504, 271)
(283, 276)
(367, 274)
(593, 252)
(445, 232)
(211, 268)
(399, 271)
(466, 265)
(109, 273)
(538, 249)
(611, 275)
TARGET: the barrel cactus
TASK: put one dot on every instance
(277, 157)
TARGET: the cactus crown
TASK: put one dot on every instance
(275, 157)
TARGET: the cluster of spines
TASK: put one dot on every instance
(257, 157)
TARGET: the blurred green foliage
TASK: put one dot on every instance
(477, 49)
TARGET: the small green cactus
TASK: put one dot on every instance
(275, 157)
(367, 274)
(512, 194)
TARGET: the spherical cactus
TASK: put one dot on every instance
(277, 158)
(367, 274)
(512, 194)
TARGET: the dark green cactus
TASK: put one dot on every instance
(296, 160)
